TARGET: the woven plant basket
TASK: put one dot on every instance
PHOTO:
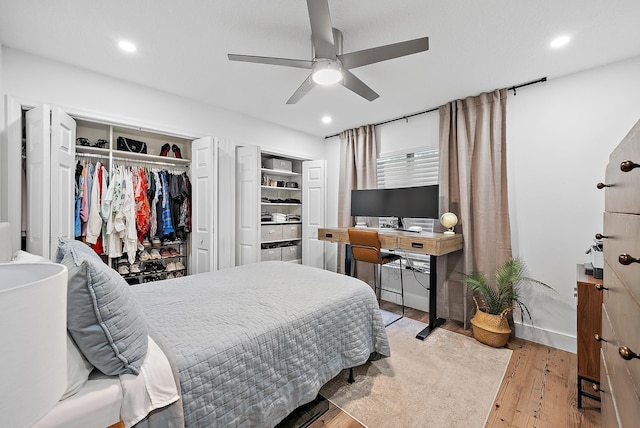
(492, 330)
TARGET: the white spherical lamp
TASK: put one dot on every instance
(449, 220)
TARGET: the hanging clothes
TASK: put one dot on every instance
(78, 192)
(167, 223)
(143, 209)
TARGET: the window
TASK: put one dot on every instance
(408, 170)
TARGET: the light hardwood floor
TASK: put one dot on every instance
(538, 390)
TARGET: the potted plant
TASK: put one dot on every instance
(494, 302)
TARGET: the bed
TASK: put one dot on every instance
(246, 345)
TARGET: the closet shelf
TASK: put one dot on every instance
(280, 172)
(281, 204)
(117, 155)
(280, 222)
(275, 241)
(292, 189)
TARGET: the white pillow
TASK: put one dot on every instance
(25, 257)
(78, 369)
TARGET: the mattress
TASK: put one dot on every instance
(96, 405)
(253, 343)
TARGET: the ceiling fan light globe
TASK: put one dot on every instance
(327, 72)
(327, 77)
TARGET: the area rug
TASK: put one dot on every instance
(389, 318)
(447, 380)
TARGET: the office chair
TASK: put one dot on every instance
(365, 247)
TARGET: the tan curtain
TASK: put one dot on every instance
(473, 185)
(357, 171)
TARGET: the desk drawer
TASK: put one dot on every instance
(433, 244)
(333, 235)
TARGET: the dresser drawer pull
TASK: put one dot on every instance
(600, 287)
(328, 235)
(626, 259)
(627, 353)
(596, 388)
(416, 245)
(602, 185)
(601, 236)
(599, 338)
(626, 166)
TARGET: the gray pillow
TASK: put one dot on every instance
(103, 317)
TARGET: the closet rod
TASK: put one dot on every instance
(406, 117)
(118, 158)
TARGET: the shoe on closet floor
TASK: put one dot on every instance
(164, 253)
(146, 243)
(171, 267)
(135, 268)
(144, 256)
(173, 252)
(179, 266)
(123, 269)
(156, 242)
(165, 150)
(176, 151)
(155, 254)
(170, 275)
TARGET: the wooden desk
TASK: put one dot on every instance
(431, 244)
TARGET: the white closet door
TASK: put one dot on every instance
(226, 242)
(63, 138)
(38, 125)
(314, 186)
(203, 196)
(247, 205)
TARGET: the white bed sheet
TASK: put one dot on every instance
(96, 405)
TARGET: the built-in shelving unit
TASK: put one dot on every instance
(281, 209)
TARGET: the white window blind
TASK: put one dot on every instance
(408, 170)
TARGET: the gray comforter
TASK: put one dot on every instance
(252, 343)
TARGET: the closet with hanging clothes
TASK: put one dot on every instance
(136, 212)
(124, 191)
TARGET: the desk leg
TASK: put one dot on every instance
(434, 321)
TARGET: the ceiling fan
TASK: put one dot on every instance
(329, 65)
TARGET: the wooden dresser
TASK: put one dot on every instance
(589, 323)
(620, 363)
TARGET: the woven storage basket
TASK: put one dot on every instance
(492, 330)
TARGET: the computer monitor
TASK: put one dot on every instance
(417, 202)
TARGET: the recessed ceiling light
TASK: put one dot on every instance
(326, 119)
(127, 46)
(560, 41)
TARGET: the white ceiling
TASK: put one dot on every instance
(475, 46)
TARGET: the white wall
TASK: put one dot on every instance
(40, 80)
(559, 136)
(35, 80)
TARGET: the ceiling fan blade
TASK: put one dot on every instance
(383, 53)
(298, 63)
(358, 86)
(321, 29)
(306, 86)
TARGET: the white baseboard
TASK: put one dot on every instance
(550, 338)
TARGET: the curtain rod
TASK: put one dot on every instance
(406, 117)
